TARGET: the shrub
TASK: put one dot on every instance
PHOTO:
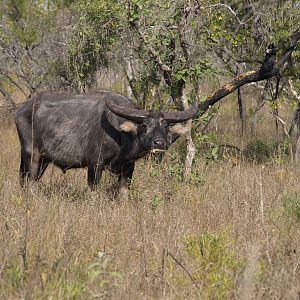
(263, 151)
(216, 264)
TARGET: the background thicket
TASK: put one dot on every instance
(228, 227)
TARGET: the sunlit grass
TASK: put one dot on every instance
(230, 230)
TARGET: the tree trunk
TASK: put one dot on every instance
(276, 114)
(242, 111)
(129, 73)
(259, 104)
(297, 122)
(190, 147)
(275, 100)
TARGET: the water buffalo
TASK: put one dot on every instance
(97, 130)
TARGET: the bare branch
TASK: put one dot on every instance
(227, 7)
(283, 123)
(183, 268)
(5, 73)
(7, 96)
(294, 92)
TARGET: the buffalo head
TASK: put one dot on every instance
(154, 130)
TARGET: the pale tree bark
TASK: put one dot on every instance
(127, 64)
(130, 76)
(190, 146)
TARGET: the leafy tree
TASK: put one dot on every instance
(28, 51)
(163, 48)
(93, 40)
(238, 31)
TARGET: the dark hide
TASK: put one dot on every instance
(77, 131)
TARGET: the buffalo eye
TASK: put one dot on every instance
(165, 124)
(145, 125)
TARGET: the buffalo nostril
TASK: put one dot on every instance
(159, 143)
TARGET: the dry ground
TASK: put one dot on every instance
(230, 232)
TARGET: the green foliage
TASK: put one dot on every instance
(93, 37)
(28, 30)
(175, 167)
(27, 20)
(196, 178)
(156, 201)
(262, 151)
(138, 9)
(213, 154)
(211, 149)
(159, 23)
(291, 208)
(216, 264)
(92, 279)
(98, 270)
(238, 33)
(258, 150)
(71, 290)
(14, 276)
(287, 221)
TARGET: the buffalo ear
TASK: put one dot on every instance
(128, 127)
(178, 129)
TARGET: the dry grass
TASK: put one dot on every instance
(231, 231)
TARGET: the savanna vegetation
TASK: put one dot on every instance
(219, 217)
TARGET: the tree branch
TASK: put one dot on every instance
(229, 8)
(294, 92)
(7, 96)
(5, 73)
(283, 124)
(268, 69)
(288, 52)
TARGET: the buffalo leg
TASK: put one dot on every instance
(24, 168)
(94, 175)
(43, 164)
(125, 180)
(32, 166)
(35, 164)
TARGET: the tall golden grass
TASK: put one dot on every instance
(231, 231)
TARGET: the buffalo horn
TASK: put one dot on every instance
(132, 114)
(181, 116)
(138, 115)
